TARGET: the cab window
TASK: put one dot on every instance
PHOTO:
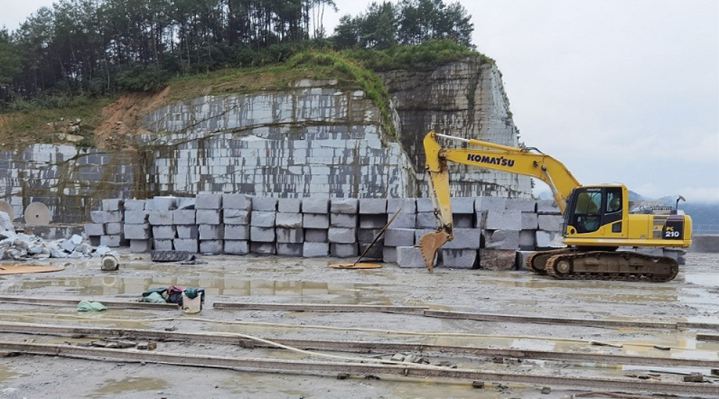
(589, 202)
(614, 200)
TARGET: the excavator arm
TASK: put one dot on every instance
(483, 154)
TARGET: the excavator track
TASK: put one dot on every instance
(537, 261)
(611, 265)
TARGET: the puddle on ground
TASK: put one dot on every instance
(129, 384)
(245, 382)
(705, 279)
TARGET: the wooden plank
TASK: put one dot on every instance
(305, 367)
(351, 346)
(109, 303)
(319, 307)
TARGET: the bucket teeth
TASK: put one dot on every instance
(429, 244)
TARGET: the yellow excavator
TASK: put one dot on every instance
(597, 221)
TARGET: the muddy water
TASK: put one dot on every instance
(129, 384)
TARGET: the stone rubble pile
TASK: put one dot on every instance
(488, 231)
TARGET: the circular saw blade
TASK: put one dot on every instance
(37, 214)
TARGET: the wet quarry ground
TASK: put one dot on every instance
(692, 297)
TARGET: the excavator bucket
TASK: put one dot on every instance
(429, 244)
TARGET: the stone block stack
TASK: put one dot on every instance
(372, 218)
(342, 234)
(107, 224)
(137, 229)
(288, 227)
(159, 211)
(187, 233)
(236, 210)
(463, 251)
(262, 226)
(549, 221)
(316, 224)
(210, 226)
(401, 232)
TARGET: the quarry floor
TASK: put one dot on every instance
(692, 296)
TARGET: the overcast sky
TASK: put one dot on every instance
(620, 91)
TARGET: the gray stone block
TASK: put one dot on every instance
(163, 232)
(522, 204)
(140, 246)
(236, 201)
(186, 232)
(112, 241)
(235, 216)
(399, 237)
(550, 222)
(262, 234)
(494, 204)
(373, 252)
(427, 220)
(343, 220)
(112, 204)
(344, 205)
(342, 235)
(547, 207)
(263, 219)
(237, 247)
(368, 235)
(94, 229)
(465, 239)
(343, 250)
(315, 249)
(372, 206)
(288, 220)
(403, 220)
(263, 248)
(106, 216)
(316, 235)
(134, 205)
(183, 217)
(529, 221)
(521, 260)
(425, 205)
(186, 244)
(136, 231)
(289, 236)
(315, 205)
(372, 221)
(389, 254)
(113, 228)
(480, 219)
(208, 216)
(463, 220)
(460, 258)
(504, 220)
(503, 239)
(185, 203)
(212, 247)
(211, 231)
(527, 240)
(462, 206)
(162, 245)
(161, 204)
(135, 217)
(315, 221)
(160, 218)
(237, 232)
(409, 257)
(289, 249)
(207, 200)
(265, 204)
(289, 205)
(546, 240)
(407, 205)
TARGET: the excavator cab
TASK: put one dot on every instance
(590, 209)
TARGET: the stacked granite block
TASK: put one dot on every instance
(549, 222)
(236, 210)
(160, 212)
(342, 234)
(372, 218)
(184, 221)
(210, 226)
(107, 224)
(463, 251)
(288, 227)
(137, 229)
(401, 233)
(262, 226)
(316, 224)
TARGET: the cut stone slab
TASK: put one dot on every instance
(211, 232)
(136, 231)
(265, 204)
(497, 259)
(316, 235)
(162, 245)
(504, 220)
(315, 205)
(288, 220)
(139, 246)
(529, 221)
(425, 205)
(389, 254)
(465, 239)
(463, 220)
(399, 237)
(289, 205)
(550, 222)
(262, 248)
(208, 216)
(374, 252)
(494, 204)
(372, 206)
(185, 203)
(136, 217)
(460, 258)
(289, 236)
(235, 216)
(409, 257)
(315, 249)
(372, 221)
(263, 219)
(343, 220)
(211, 247)
(368, 235)
(163, 232)
(527, 240)
(480, 219)
(237, 232)
(315, 221)
(462, 205)
(503, 239)
(134, 205)
(403, 220)
(236, 201)
(342, 235)
(262, 234)
(237, 247)
(112, 204)
(427, 220)
(547, 207)
(289, 249)
(161, 204)
(547, 240)
(407, 205)
(522, 204)
(344, 205)
(343, 250)
(94, 229)
(208, 201)
(106, 216)
(189, 231)
(160, 218)
(183, 217)
(186, 244)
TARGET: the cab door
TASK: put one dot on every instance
(596, 209)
